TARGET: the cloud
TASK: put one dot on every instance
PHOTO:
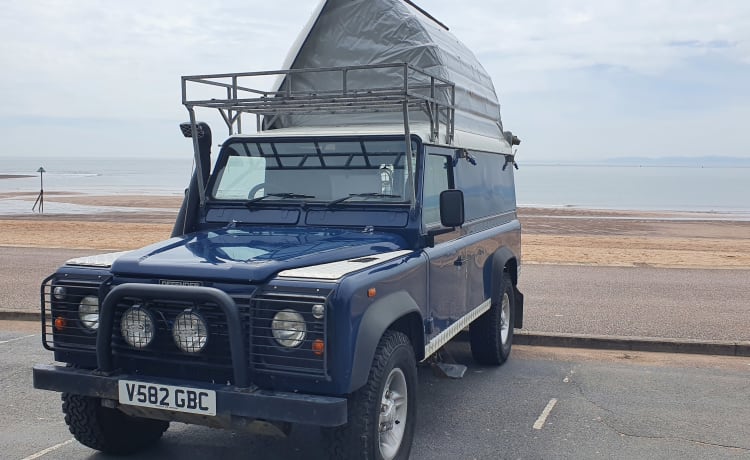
(581, 66)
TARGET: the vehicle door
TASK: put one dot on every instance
(447, 270)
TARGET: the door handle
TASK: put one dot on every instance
(459, 262)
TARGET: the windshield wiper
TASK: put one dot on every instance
(279, 195)
(356, 195)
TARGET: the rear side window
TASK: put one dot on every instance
(488, 189)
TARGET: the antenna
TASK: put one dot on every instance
(409, 2)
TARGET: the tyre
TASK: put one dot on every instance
(382, 414)
(108, 430)
(492, 333)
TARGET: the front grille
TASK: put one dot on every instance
(162, 357)
(268, 356)
(70, 333)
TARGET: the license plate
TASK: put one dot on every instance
(168, 397)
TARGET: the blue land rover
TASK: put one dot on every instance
(312, 267)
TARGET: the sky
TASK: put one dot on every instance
(577, 80)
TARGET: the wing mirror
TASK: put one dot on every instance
(451, 214)
(452, 208)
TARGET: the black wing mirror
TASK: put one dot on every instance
(451, 214)
(452, 208)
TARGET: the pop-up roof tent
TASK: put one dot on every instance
(363, 32)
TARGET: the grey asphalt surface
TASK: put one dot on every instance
(609, 405)
(639, 301)
(22, 271)
(710, 305)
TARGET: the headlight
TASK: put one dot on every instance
(88, 312)
(190, 331)
(59, 292)
(318, 311)
(137, 326)
(288, 328)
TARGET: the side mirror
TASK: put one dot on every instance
(452, 208)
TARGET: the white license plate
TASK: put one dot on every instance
(168, 397)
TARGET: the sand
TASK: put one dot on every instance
(628, 238)
(551, 236)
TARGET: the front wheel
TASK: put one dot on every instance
(382, 414)
(492, 333)
(108, 430)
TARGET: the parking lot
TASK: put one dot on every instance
(544, 403)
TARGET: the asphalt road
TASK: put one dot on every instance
(641, 301)
(608, 405)
(22, 271)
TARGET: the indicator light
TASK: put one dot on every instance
(318, 347)
(60, 323)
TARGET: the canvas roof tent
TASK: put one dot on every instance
(363, 32)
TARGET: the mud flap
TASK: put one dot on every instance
(518, 320)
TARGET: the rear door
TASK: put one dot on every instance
(489, 199)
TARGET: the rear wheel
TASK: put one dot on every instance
(492, 333)
(382, 414)
(108, 430)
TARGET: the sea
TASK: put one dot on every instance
(720, 190)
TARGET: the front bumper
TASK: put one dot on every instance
(231, 401)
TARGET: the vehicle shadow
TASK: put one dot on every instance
(437, 395)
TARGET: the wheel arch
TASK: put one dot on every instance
(502, 261)
(397, 311)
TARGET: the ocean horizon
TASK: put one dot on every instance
(718, 189)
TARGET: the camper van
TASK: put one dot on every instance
(360, 214)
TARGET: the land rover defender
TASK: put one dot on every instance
(312, 266)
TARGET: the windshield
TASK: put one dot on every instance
(332, 171)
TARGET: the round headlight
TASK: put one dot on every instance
(59, 292)
(288, 328)
(190, 331)
(318, 311)
(88, 312)
(137, 326)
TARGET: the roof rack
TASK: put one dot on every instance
(416, 90)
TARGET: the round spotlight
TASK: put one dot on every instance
(59, 292)
(318, 311)
(137, 327)
(88, 312)
(288, 328)
(190, 331)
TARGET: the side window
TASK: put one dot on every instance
(488, 189)
(436, 179)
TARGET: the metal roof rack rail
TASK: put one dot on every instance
(416, 90)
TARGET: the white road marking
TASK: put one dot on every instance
(16, 339)
(48, 450)
(539, 424)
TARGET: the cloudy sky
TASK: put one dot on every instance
(577, 79)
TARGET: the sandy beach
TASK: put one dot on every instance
(551, 236)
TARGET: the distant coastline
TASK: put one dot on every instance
(707, 161)
(14, 176)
